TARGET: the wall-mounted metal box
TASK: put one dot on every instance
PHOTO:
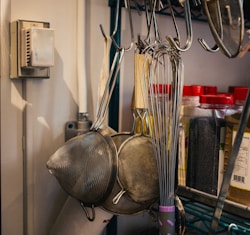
(31, 49)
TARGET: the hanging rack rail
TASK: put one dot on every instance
(196, 10)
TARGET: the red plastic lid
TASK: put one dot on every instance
(210, 90)
(232, 88)
(193, 90)
(240, 93)
(197, 90)
(187, 91)
(217, 99)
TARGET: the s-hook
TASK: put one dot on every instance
(188, 21)
(214, 7)
(119, 48)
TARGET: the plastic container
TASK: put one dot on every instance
(206, 143)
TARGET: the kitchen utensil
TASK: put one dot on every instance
(165, 94)
(85, 167)
(136, 175)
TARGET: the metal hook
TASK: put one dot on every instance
(151, 20)
(205, 46)
(231, 226)
(148, 19)
(116, 22)
(103, 33)
(127, 5)
(92, 217)
(188, 28)
(108, 91)
(216, 9)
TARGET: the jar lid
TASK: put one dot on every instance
(217, 99)
(187, 91)
(210, 90)
(240, 93)
(193, 90)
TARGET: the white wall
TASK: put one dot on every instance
(51, 103)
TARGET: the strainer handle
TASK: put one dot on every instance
(89, 217)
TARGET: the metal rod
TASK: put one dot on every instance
(230, 167)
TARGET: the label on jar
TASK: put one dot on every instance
(241, 173)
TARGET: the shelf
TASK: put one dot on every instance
(199, 209)
(199, 217)
(210, 200)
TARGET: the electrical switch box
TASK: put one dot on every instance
(31, 49)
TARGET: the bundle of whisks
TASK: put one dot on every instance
(163, 95)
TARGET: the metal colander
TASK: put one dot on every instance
(86, 167)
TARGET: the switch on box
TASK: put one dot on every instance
(32, 49)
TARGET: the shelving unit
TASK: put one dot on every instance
(199, 206)
(210, 200)
(199, 218)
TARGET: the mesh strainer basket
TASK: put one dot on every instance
(86, 167)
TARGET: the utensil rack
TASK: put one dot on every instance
(198, 205)
(196, 11)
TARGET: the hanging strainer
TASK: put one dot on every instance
(85, 167)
